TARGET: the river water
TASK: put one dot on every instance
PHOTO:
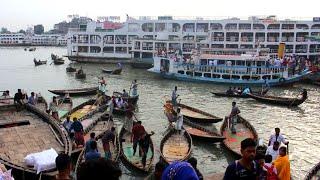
(300, 125)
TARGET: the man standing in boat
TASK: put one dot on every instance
(277, 137)
(179, 121)
(108, 137)
(234, 116)
(174, 97)
(134, 87)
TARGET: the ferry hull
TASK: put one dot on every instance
(107, 60)
(250, 83)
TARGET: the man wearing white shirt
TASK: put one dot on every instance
(273, 150)
(277, 137)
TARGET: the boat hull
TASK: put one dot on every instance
(76, 92)
(278, 100)
(250, 83)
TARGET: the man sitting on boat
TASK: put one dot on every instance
(120, 103)
(229, 91)
(265, 87)
(125, 94)
(102, 88)
(246, 91)
(18, 100)
(31, 99)
(233, 117)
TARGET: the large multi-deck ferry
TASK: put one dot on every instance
(110, 41)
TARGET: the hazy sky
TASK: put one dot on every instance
(19, 14)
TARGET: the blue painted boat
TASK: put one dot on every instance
(244, 70)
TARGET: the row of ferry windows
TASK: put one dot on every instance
(204, 27)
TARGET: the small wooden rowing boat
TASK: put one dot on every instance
(64, 105)
(100, 129)
(41, 103)
(195, 115)
(135, 162)
(115, 72)
(314, 173)
(76, 92)
(224, 94)
(6, 102)
(131, 99)
(58, 61)
(80, 75)
(30, 131)
(81, 111)
(71, 69)
(175, 146)
(198, 132)
(243, 130)
(283, 101)
(37, 63)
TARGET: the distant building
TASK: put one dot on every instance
(63, 27)
(38, 29)
(19, 39)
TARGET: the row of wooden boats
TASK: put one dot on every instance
(276, 100)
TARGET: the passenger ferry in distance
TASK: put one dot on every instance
(229, 66)
(110, 40)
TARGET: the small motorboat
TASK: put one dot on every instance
(38, 62)
(116, 71)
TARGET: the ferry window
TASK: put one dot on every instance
(133, 27)
(302, 26)
(95, 49)
(160, 27)
(147, 27)
(175, 27)
(215, 26)
(221, 62)
(240, 63)
(108, 49)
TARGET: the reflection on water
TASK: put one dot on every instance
(299, 124)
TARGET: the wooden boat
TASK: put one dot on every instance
(6, 102)
(316, 83)
(76, 92)
(224, 94)
(100, 129)
(119, 111)
(29, 131)
(131, 99)
(198, 132)
(243, 130)
(80, 74)
(58, 61)
(127, 152)
(175, 147)
(64, 105)
(32, 49)
(41, 103)
(195, 115)
(314, 173)
(37, 63)
(85, 109)
(71, 69)
(115, 72)
(283, 101)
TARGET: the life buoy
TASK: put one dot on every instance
(282, 80)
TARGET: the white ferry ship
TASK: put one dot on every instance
(110, 41)
(20, 39)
